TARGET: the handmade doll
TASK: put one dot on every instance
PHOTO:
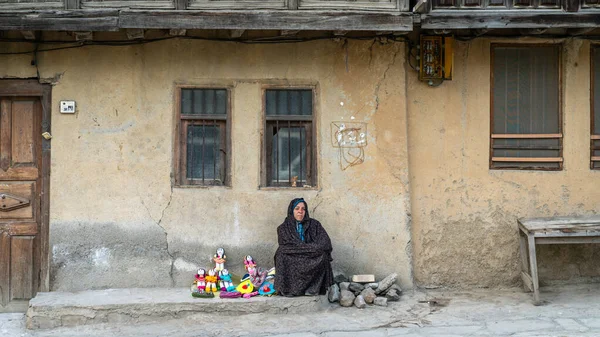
(225, 282)
(256, 275)
(249, 262)
(200, 280)
(211, 281)
(219, 259)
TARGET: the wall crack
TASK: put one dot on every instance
(378, 86)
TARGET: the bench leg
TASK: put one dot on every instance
(524, 251)
(534, 270)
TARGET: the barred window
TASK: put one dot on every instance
(202, 142)
(526, 122)
(289, 152)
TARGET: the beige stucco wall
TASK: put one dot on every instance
(464, 214)
(114, 209)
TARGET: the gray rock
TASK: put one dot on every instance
(373, 285)
(333, 295)
(369, 295)
(346, 298)
(392, 295)
(340, 278)
(356, 287)
(359, 302)
(386, 283)
(397, 287)
(381, 301)
(344, 285)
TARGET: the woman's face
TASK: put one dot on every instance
(299, 211)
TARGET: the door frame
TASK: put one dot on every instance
(32, 88)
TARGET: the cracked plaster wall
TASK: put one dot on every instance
(464, 214)
(116, 221)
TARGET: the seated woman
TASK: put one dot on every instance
(303, 259)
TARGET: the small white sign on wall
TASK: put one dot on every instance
(67, 107)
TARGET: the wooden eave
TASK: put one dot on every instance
(493, 19)
(113, 20)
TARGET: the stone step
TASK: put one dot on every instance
(134, 305)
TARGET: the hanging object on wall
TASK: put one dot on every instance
(436, 59)
(350, 138)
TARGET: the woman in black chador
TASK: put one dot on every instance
(303, 259)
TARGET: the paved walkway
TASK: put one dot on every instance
(567, 311)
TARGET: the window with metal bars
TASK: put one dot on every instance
(526, 121)
(289, 159)
(595, 120)
(202, 144)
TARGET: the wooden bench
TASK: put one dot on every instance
(545, 231)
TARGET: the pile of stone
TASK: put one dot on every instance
(360, 294)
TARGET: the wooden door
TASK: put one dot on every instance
(23, 237)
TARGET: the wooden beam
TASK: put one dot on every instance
(275, 20)
(579, 31)
(528, 159)
(340, 32)
(532, 31)
(525, 135)
(92, 20)
(491, 19)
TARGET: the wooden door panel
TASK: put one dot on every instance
(5, 133)
(22, 139)
(21, 267)
(17, 200)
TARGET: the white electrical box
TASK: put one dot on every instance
(67, 107)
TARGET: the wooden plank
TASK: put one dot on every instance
(91, 20)
(348, 5)
(567, 233)
(279, 20)
(490, 19)
(22, 133)
(21, 267)
(4, 268)
(527, 281)
(528, 159)
(595, 137)
(533, 269)
(44, 190)
(247, 5)
(128, 4)
(568, 240)
(533, 224)
(595, 158)
(526, 135)
(33, 5)
(5, 134)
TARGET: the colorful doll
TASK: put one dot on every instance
(219, 259)
(249, 262)
(225, 282)
(256, 275)
(200, 280)
(211, 281)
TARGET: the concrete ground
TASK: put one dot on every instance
(567, 311)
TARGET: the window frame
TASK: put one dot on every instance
(594, 48)
(291, 120)
(559, 135)
(180, 138)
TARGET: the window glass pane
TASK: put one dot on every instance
(289, 102)
(596, 60)
(186, 101)
(526, 90)
(289, 155)
(203, 154)
(204, 102)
